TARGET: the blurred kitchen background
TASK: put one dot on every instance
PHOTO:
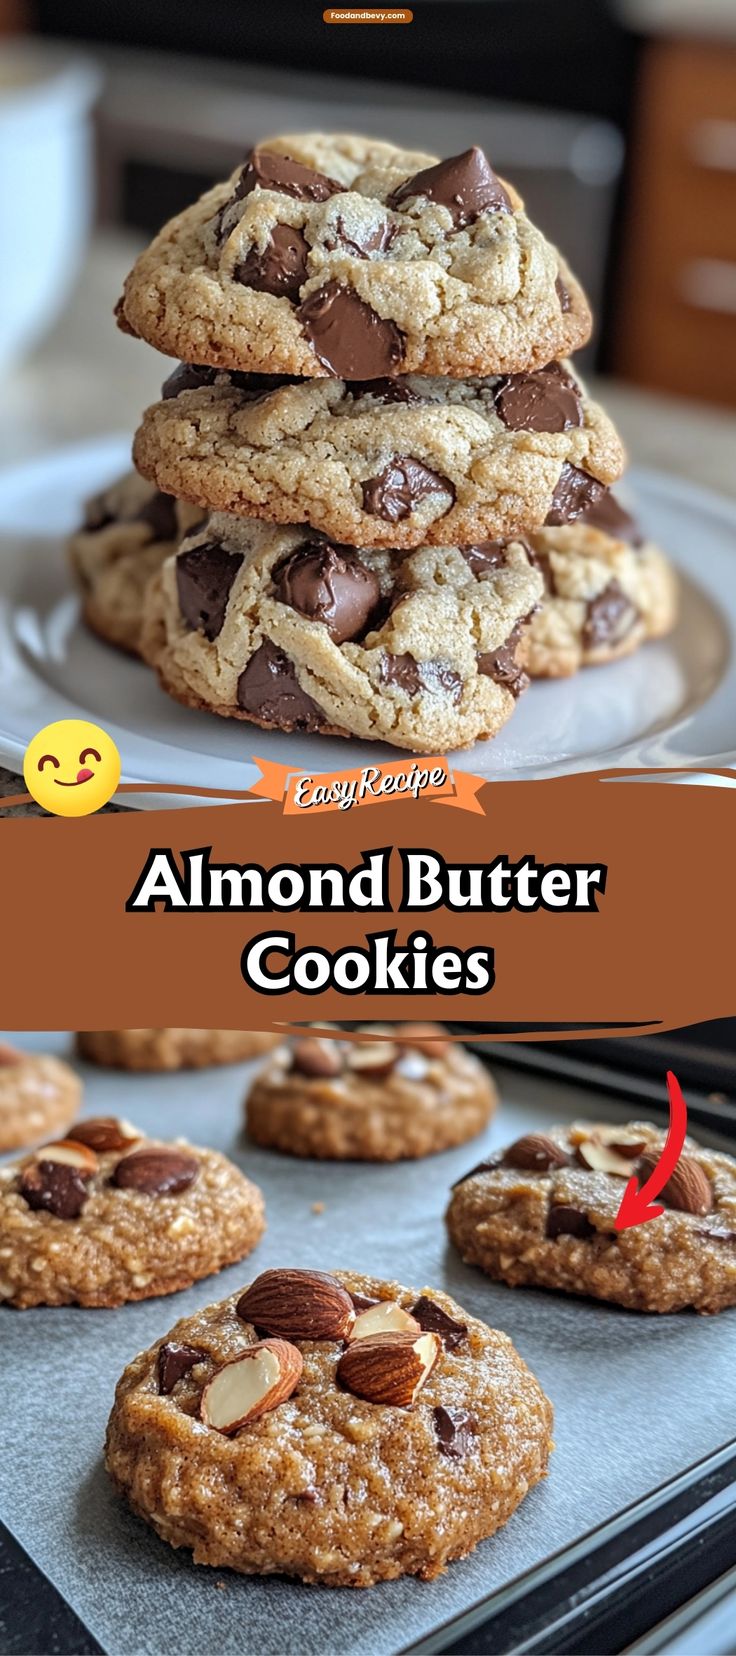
(615, 118)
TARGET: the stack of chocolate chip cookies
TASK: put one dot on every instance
(390, 489)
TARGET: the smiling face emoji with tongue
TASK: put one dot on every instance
(71, 768)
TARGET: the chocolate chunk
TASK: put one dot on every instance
(350, 339)
(160, 515)
(54, 1187)
(269, 689)
(564, 296)
(488, 1166)
(364, 242)
(314, 1057)
(385, 390)
(548, 400)
(575, 493)
(188, 377)
(535, 1153)
(394, 493)
(174, 1361)
(608, 515)
(159, 1171)
(331, 585)
(465, 184)
(413, 676)
(609, 616)
(281, 269)
(563, 1220)
(502, 665)
(204, 578)
(279, 172)
(433, 1320)
(456, 1431)
(487, 555)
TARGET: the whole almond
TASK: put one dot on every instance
(250, 1385)
(535, 1153)
(689, 1189)
(316, 1057)
(373, 1058)
(429, 1038)
(298, 1305)
(389, 1368)
(102, 1133)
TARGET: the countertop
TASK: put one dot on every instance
(87, 378)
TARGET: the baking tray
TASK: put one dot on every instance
(639, 1400)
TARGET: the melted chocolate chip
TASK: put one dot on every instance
(174, 1361)
(433, 1320)
(204, 578)
(564, 296)
(563, 1220)
(281, 269)
(487, 555)
(465, 184)
(54, 1187)
(548, 400)
(575, 493)
(350, 339)
(331, 585)
(278, 172)
(159, 514)
(611, 615)
(502, 665)
(156, 1172)
(394, 493)
(385, 390)
(188, 377)
(456, 1431)
(413, 676)
(269, 689)
(363, 242)
(608, 515)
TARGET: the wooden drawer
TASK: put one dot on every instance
(677, 303)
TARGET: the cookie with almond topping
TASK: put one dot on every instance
(107, 1215)
(408, 1092)
(39, 1095)
(542, 1214)
(389, 462)
(329, 254)
(171, 1049)
(333, 1427)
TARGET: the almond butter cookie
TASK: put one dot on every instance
(376, 1100)
(337, 1428)
(288, 631)
(329, 254)
(607, 590)
(542, 1214)
(107, 1215)
(395, 463)
(127, 532)
(171, 1049)
(39, 1095)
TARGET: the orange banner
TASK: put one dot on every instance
(368, 14)
(398, 779)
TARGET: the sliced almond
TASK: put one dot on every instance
(389, 1368)
(250, 1385)
(689, 1189)
(71, 1153)
(602, 1158)
(535, 1153)
(298, 1305)
(429, 1038)
(103, 1133)
(386, 1317)
(373, 1058)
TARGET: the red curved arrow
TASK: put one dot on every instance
(636, 1203)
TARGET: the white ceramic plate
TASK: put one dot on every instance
(673, 703)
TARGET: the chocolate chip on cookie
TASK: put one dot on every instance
(502, 665)
(57, 1187)
(174, 1361)
(610, 614)
(280, 267)
(267, 170)
(204, 579)
(395, 492)
(350, 339)
(565, 1220)
(548, 400)
(269, 690)
(431, 1317)
(329, 584)
(457, 1431)
(413, 676)
(575, 493)
(465, 184)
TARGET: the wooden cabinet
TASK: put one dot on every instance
(676, 323)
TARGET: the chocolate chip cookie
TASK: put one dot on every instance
(335, 255)
(607, 590)
(171, 1049)
(291, 632)
(392, 463)
(39, 1095)
(106, 1216)
(542, 1214)
(337, 1428)
(373, 1100)
(127, 532)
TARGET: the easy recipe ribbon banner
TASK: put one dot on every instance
(300, 792)
(597, 905)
